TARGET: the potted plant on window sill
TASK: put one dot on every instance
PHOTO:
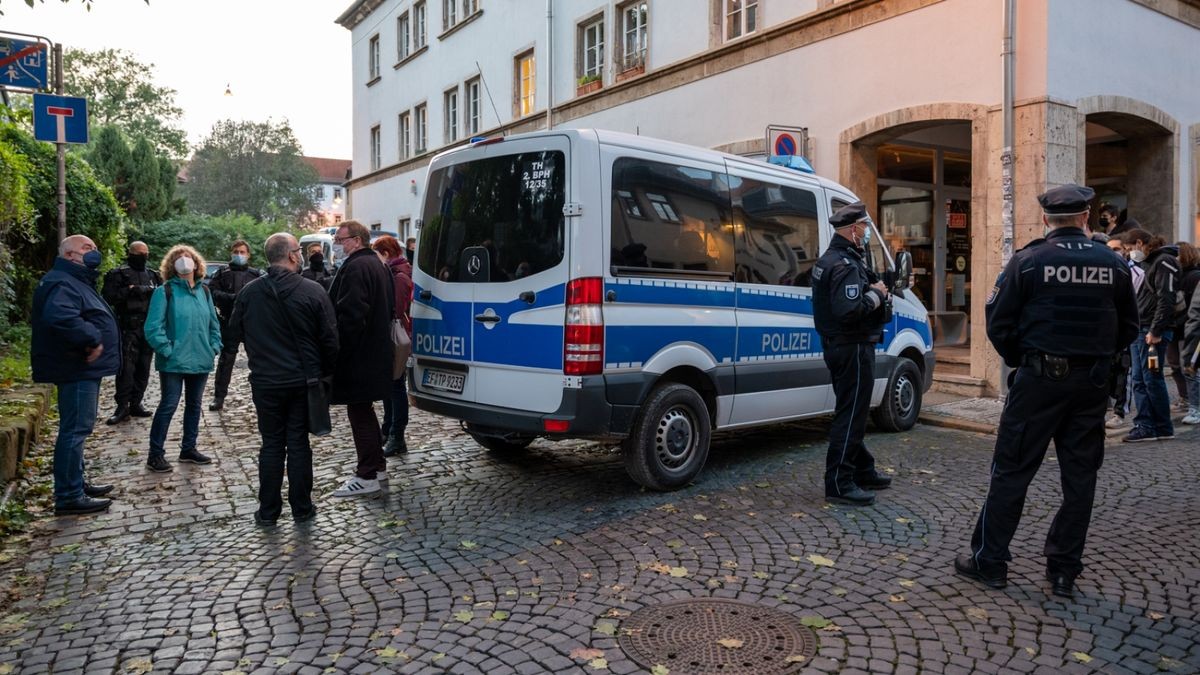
(633, 70)
(587, 84)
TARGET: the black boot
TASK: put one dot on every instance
(81, 506)
(873, 481)
(120, 415)
(992, 578)
(96, 490)
(1061, 584)
(138, 411)
(851, 495)
(217, 404)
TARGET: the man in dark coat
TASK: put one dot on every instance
(75, 343)
(290, 336)
(225, 286)
(362, 296)
(128, 289)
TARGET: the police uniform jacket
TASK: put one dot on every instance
(1064, 295)
(128, 291)
(226, 285)
(1158, 294)
(845, 308)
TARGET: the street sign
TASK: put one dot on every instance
(784, 141)
(24, 64)
(60, 119)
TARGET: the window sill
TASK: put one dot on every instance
(458, 26)
(411, 56)
(377, 78)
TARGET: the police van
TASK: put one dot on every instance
(592, 284)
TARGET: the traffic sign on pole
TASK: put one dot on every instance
(60, 119)
(24, 64)
(783, 141)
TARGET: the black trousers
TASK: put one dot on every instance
(283, 424)
(135, 366)
(229, 351)
(368, 441)
(1071, 413)
(1120, 392)
(852, 367)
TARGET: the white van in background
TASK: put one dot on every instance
(591, 284)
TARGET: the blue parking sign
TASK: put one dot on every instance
(60, 119)
(24, 64)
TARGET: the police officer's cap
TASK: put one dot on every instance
(849, 215)
(1067, 200)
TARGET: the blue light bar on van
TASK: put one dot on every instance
(484, 140)
(792, 162)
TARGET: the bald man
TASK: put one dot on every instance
(75, 343)
(128, 289)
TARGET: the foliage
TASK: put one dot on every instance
(121, 92)
(142, 188)
(254, 168)
(109, 155)
(210, 235)
(87, 4)
(14, 361)
(16, 218)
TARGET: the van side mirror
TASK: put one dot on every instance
(903, 271)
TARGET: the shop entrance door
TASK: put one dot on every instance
(956, 235)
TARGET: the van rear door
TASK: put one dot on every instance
(491, 275)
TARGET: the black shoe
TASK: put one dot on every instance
(1062, 585)
(159, 464)
(120, 414)
(395, 446)
(139, 411)
(873, 481)
(967, 567)
(217, 404)
(851, 495)
(96, 490)
(307, 517)
(81, 506)
(264, 522)
(194, 457)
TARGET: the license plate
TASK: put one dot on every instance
(440, 379)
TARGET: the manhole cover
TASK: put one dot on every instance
(710, 635)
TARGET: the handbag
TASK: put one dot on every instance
(401, 348)
(319, 423)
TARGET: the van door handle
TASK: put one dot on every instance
(487, 318)
(528, 296)
(425, 295)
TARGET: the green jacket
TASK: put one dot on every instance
(190, 338)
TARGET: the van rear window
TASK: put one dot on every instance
(511, 206)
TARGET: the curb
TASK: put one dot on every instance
(959, 423)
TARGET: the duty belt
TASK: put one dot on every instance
(1056, 367)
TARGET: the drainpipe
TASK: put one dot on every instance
(1006, 158)
(549, 64)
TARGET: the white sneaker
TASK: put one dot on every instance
(1193, 417)
(1114, 421)
(357, 487)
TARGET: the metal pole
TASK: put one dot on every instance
(62, 150)
(1006, 158)
(549, 64)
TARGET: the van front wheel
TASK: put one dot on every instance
(902, 400)
(668, 444)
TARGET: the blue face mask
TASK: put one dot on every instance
(239, 260)
(92, 259)
(866, 238)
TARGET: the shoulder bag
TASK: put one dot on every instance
(319, 423)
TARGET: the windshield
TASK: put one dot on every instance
(511, 206)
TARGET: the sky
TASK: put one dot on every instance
(281, 58)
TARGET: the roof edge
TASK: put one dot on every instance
(357, 12)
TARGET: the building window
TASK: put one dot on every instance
(450, 101)
(469, 7)
(420, 12)
(591, 40)
(404, 229)
(403, 42)
(375, 147)
(373, 58)
(421, 139)
(474, 106)
(449, 14)
(634, 20)
(337, 194)
(525, 77)
(741, 18)
(405, 135)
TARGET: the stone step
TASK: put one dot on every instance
(959, 385)
(952, 368)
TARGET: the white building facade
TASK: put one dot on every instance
(903, 101)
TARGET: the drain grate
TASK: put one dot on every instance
(710, 635)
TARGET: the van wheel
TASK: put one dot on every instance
(502, 446)
(669, 441)
(902, 399)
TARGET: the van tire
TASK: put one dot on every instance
(673, 414)
(501, 446)
(902, 399)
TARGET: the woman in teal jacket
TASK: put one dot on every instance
(182, 329)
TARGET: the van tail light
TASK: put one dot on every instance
(583, 346)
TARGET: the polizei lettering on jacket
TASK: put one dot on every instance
(441, 345)
(1071, 274)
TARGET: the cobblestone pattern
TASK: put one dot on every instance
(472, 563)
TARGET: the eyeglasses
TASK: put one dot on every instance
(339, 240)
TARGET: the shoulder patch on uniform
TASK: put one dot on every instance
(818, 272)
(995, 289)
(852, 292)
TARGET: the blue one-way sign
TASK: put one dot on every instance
(24, 64)
(60, 119)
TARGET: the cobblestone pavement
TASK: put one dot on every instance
(472, 563)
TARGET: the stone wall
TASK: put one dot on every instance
(22, 411)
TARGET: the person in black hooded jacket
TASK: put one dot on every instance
(1156, 299)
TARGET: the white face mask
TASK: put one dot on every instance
(1137, 255)
(184, 265)
(339, 252)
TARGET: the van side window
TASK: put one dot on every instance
(668, 218)
(782, 233)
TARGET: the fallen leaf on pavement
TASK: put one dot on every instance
(1156, 616)
(660, 669)
(605, 628)
(839, 592)
(140, 666)
(814, 621)
(585, 654)
(499, 615)
(820, 560)
(675, 543)
(895, 598)
(678, 572)
(731, 643)
(1082, 657)
(598, 664)
(468, 545)
(761, 575)
(464, 616)
(904, 521)
(700, 516)
(796, 658)
(907, 583)
(977, 613)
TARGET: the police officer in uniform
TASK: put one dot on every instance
(127, 289)
(850, 307)
(1059, 312)
(225, 286)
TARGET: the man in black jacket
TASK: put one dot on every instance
(225, 287)
(128, 289)
(290, 334)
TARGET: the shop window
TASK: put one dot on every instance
(780, 231)
(902, 162)
(957, 169)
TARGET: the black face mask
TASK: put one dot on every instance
(1103, 221)
(316, 260)
(137, 261)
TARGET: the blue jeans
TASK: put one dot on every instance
(395, 410)
(173, 385)
(1150, 388)
(1193, 387)
(77, 403)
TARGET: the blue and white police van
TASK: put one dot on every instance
(592, 284)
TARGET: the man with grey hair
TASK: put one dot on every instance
(128, 289)
(75, 344)
(290, 336)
